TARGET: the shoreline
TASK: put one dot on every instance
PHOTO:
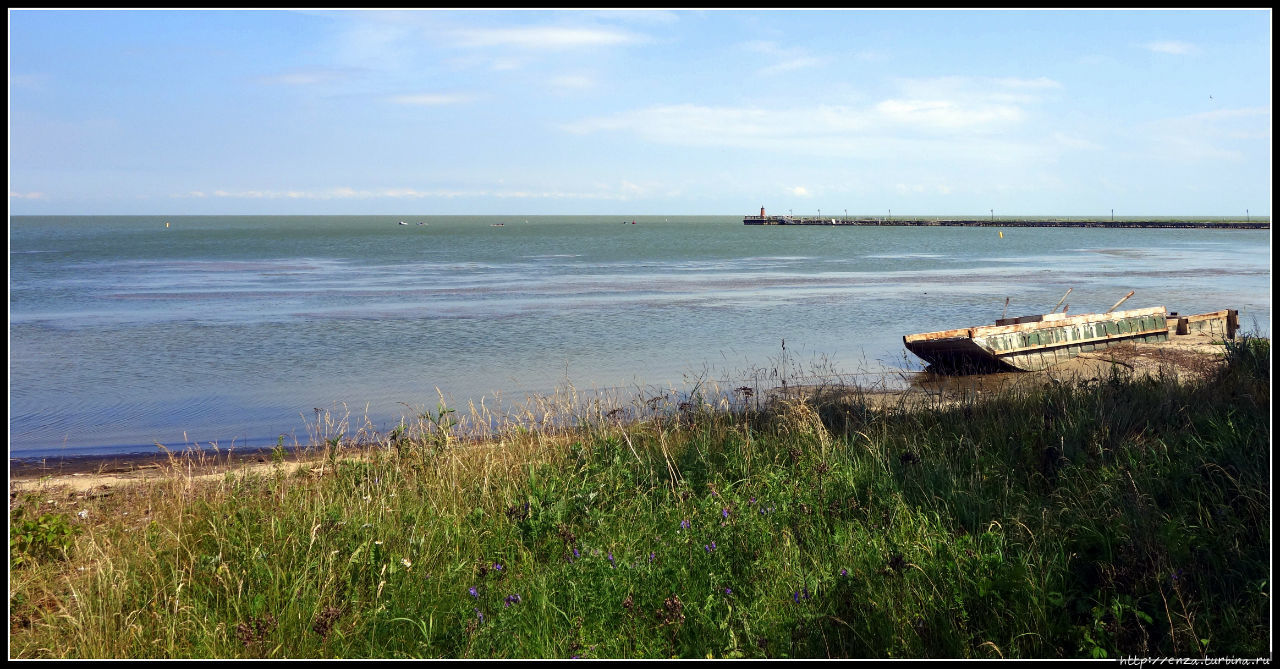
(1186, 357)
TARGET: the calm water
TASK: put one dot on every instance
(232, 329)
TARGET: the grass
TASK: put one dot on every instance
(1121, 517)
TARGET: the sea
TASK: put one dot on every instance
(132, 334)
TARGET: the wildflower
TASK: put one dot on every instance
(497, 566)
(84, 513)
(684, 524)
(406, 562)
(479, 616)
(611, 558)
(575, 552)
(806, 593)
(473, 592)
(711, 547)
(511, 599)
(651, 556)
(728, 591)
(753, 501)
(844, 572)
(795, 596)
(724, 513)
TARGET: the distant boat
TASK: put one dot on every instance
(496, 225)
(421, 223)
(403, 223)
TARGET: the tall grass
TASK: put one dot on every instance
(1127, 516)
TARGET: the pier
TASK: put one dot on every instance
(1014, 222)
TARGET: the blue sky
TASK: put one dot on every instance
(640, 112)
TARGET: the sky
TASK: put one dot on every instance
(640, 112)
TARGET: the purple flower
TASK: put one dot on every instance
(651, 556)
(724, 513)
(753, 501)
(795, 596)
(684, 524)
(844, 572)
(479, 616)
(497, 566)
(611, 558)
(473, 592)
(728, 591)
(511, 599)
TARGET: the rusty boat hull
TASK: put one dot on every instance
(1033, 343)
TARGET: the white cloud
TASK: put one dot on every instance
(870, 56)
(799, 191)
(432, 99)
(1221, 134)
(1069, 142)
(1171, 47)
(946, 114)
(788, 59)
(925, 119)
(978, 90)
(793, 64)
(306, 77)
(545, 37)
(822, 129)
(572, 81)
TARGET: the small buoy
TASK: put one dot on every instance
(166, 224)
(1002, 234)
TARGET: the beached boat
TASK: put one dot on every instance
(1031, 343)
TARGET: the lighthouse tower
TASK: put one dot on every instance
(761, 211)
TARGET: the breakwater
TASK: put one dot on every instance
(1013, 222)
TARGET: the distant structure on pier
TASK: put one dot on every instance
(1017, 222)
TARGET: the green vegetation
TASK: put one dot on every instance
(1127, 516)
